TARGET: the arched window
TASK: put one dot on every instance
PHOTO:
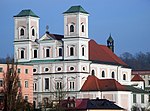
(113, 75)
(33, 32)
(82, 28)
(103, 73)
(22, 54)
(124, 77)
(21, 32)
(60, 51)
(71, 51)
(82, 51)
(71, 28)
(93, 72)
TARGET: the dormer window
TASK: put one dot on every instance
(21, 32)
(33, 32)
(71, 28)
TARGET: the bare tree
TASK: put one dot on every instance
(13, 100)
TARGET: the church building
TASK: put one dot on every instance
(70, 62)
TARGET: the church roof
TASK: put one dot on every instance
(102, 54)
(49, 36)
(75, 9)
(26, 12)
(137, 78)
(94, 84)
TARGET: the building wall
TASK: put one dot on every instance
(118, 71)
(145, 74)
(23, 76)
(137, 101)
(119, 97)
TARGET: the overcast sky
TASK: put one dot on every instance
(128, 21)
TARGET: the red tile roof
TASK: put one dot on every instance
(137, 78)
(94, 84)
(102, 53)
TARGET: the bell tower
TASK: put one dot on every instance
(110, 43)
(26, 31)
(76, 22)
(76, 33)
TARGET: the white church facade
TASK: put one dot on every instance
(66, 61)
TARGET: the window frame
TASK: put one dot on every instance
(33, 32)
(26, 71)
(113, 74)
(71, 51)
(26, 84)
(72, 28)
(82, 28)
(22, 54)
(93, 72)
(21, 31)
(47, 84)
(1, 69)
(124, 77)
(35, 53)
(103, 73)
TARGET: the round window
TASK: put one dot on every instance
(34, 70)
(46, 69)
(71, 68)
(59, 69)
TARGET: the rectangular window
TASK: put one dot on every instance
(1, 69)
(47, 53)
(47, 83)
(26, 71)
(22, 54)
(35, 86)
(19, 83)
(142, 98)
(35, 54)
(72, 85)
(71, 51)
(148, 82)
(19, 70)
(60, 51)
(26, 84)
(59, 85)
(26, 98)
(134, 98)
(1, 83)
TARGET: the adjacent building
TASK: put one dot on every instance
(25, 80)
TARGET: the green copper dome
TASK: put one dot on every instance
(75, 9)
(27, 12)
(110, 38)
